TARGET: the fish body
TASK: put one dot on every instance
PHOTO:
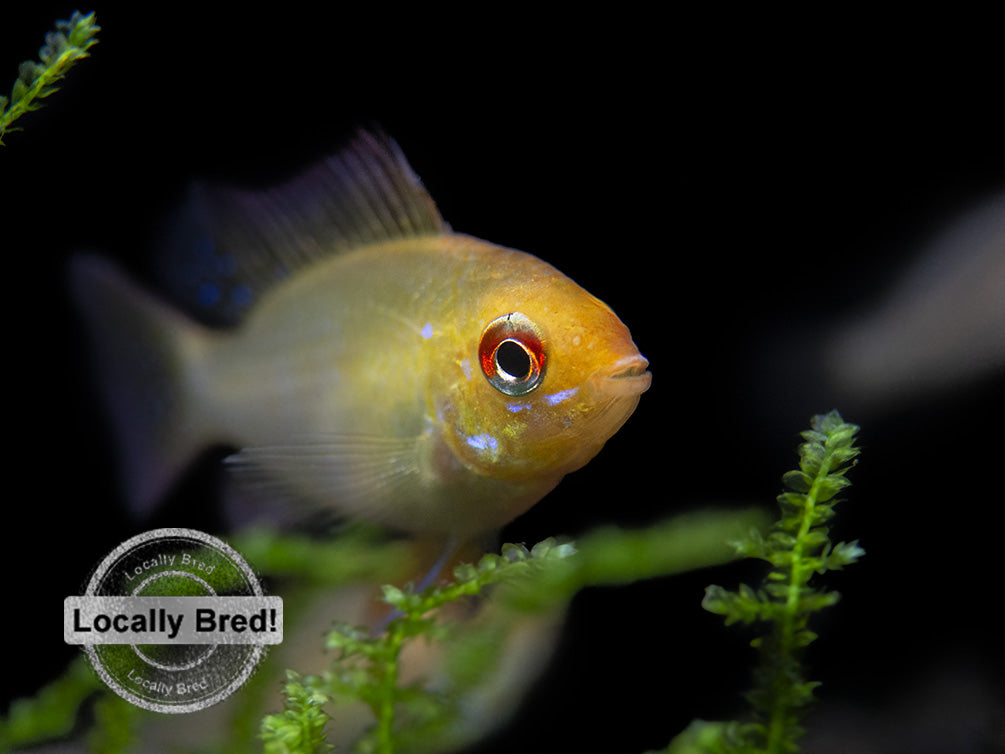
(394, 370)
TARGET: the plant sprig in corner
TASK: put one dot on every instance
(37, 80)
(797, 548)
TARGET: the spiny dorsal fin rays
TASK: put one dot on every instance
(230, 245)
(398, 205)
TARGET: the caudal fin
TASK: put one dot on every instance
(145, 356)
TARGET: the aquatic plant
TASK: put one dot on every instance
(63, 47)
(528, 581)
(797, 548)
(518, 583)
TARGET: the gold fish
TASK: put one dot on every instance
(385, 367)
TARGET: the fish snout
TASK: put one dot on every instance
(628, 376)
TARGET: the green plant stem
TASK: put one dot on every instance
(385, 711)
(797, 548)
(778, 724)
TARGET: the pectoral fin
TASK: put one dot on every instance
(362, 476)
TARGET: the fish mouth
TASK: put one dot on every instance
(625, 377)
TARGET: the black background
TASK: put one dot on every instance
(723, 181)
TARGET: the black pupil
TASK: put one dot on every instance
(513, 360)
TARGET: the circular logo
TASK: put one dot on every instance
(173, 620)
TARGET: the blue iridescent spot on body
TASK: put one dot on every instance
(562, 395)
(482, 442)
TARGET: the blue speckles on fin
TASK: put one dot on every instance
(242, 295)
(224, 266)
(236, 238)
(427, 331)
(209, 294)
(213, 276)
(207, 281)
(203, 247)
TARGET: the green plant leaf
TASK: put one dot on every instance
(36, 81)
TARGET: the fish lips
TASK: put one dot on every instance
(624, 378)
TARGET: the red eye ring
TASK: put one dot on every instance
(512, 354)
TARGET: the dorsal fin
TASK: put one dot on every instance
(229, 245)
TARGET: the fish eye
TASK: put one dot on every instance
(512, 354)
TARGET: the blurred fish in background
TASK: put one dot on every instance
(940, 327)
(933, 328)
